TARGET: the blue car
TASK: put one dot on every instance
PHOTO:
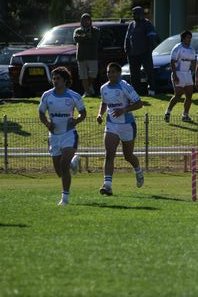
(161, 62)
(5, 56)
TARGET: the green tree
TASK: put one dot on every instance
(122, 9)
(101, 9)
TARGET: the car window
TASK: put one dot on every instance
(6, 54)
(112, 36)
(166, 46)
(58, 36)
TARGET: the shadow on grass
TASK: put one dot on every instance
(22, 100)
(145, 103)
(163, 96)
(104, 205)
(156, 197)
(167, 97)
(13, 225)
(14, 127)
(185, 127)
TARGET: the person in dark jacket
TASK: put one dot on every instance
(87, 39)
(140, 41)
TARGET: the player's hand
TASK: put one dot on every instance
(117, 112)
(196, 83)
(50, 126)
(176, 79)
(99, 119)
(71, 123)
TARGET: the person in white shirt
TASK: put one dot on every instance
(119, 99)
(60, 103)
(183, 63)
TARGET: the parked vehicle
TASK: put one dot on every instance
(6, 53)
(30, 70)
(161, 62)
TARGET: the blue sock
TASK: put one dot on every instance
(108, 181)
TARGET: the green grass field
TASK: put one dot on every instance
(139, 243)
(153, 105)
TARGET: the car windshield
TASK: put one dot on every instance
(166, 46)
(58, 36)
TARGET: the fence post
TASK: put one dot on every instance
(5, 133)
(146, 122)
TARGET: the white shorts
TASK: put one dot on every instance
(57, 142)
(126, 132)
(88, 69)
(185, 79)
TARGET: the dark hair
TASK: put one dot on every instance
(64, 73)
(115, 66)
(184, 34)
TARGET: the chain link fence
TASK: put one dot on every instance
(160, 146)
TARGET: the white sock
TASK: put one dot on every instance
(168, 111)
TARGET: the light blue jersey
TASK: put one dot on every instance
(61, 108)
(119, 95)
(183, 57)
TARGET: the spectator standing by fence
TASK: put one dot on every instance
(118, 99)
(183, 64)
(87, 39)
(63, 137)
(140, 41)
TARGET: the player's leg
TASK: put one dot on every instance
(188, 90)
(65, 162)
(135, 66)
(147, 63)
(178, 92)
(56, 164)
(83, 74)
(68, 144)
(128, 147)
(111, 143)
(92, 74)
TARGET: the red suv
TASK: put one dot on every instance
(30, 70)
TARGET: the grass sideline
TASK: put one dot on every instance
(153, 105)
(140, 242)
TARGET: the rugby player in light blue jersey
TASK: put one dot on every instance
(60, 103)
(119, 99)
(183, 64)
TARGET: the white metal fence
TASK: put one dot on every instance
(160, 146)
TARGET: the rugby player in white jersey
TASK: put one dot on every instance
(183, 63)
(60, 103)
(119, 99)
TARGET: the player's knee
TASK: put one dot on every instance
(110, 155)
(128, 158)
(59, 173)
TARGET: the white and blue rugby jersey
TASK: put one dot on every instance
(183, 57)
(61, 108)
(119, 95)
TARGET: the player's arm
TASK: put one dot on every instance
(45, 121)
(131, 107)
(81, 116)
(79, 35)
(101, 111)
(173, 68)
(196, 75)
